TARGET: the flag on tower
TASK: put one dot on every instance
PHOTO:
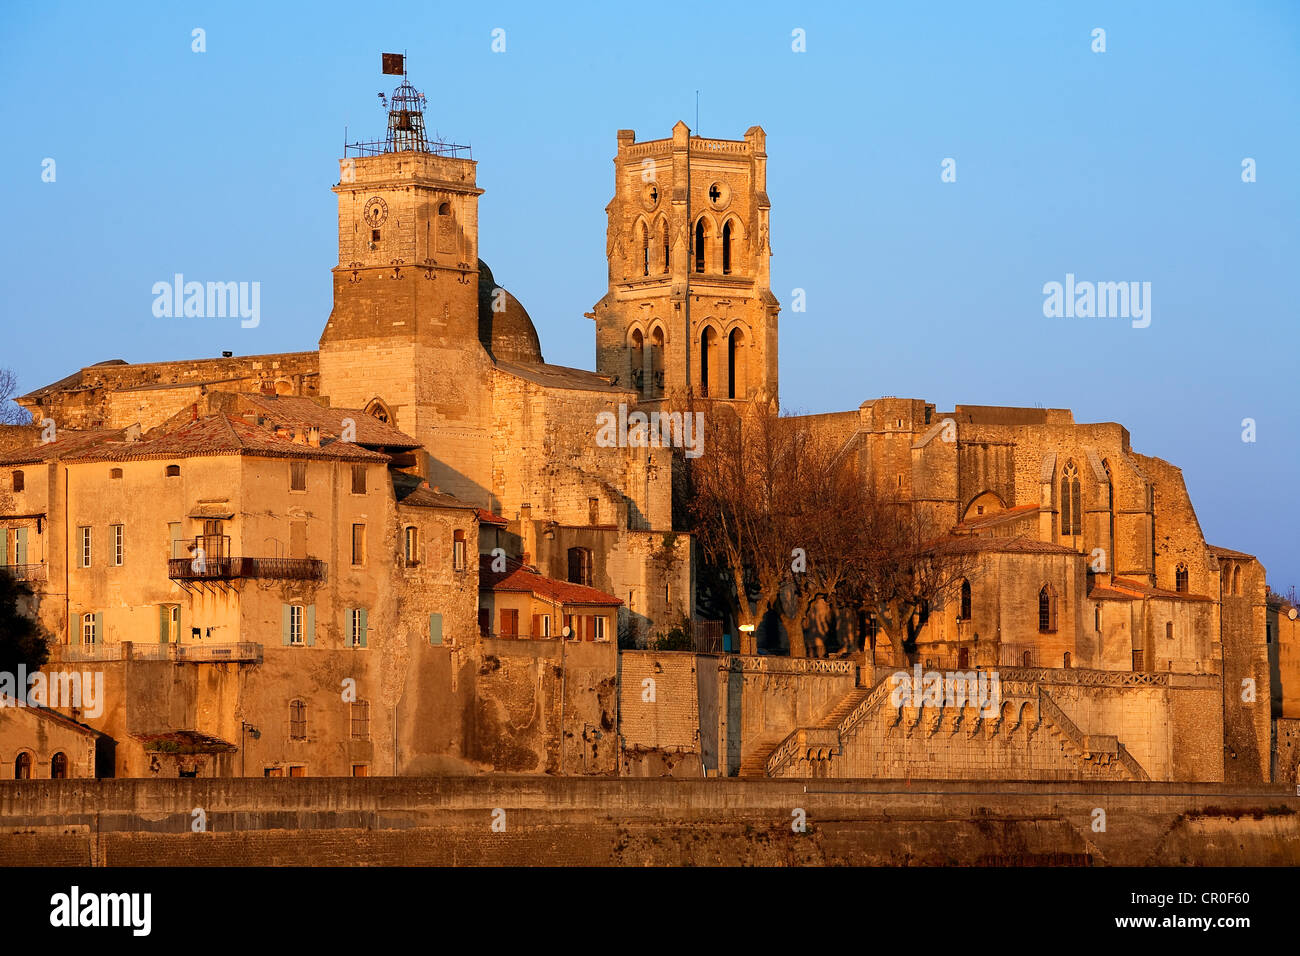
(393, 63)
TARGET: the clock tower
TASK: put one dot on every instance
(402, 339)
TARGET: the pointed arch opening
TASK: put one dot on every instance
(1046, 610)
(644, 234)
(655, 387)
(701, 239)
(636, 360)
(1071, 500)
(726, 249)
(737, 365)
(708, 361)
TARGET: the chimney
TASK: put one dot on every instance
(313, 437)
(194, 412)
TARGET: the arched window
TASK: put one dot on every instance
(701, 234)
(379, 411)
(726, 249)
(297, 720)
(1071, 510)
(1046, 610)
(1180, 578)
(115, 473)
(737, 371)
(23, 766)
(655, 386)
(59, 766)
(1027, 659)
(668, 246)
(645, 249)
(1066, 661)
(636, 360)
(708, 346)
(965, 601)
(171, 471)
(1236, 579)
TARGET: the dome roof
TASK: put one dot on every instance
(507, 332)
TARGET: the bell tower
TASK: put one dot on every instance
(404, 328)
(689, 309)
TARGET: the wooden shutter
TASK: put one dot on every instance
(4, 547)
(164, 623)
(98, 634)
(20, 546)
(537, 626)
(286, 623)
(311, 624)
(364, 625)
(435, 628)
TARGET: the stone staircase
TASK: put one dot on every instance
(845, 707)
(755, 764)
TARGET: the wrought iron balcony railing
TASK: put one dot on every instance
(210, 560)
(24, 572)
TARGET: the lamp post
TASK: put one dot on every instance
(748, 629)
(245, 729)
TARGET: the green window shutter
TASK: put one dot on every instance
(311, 625)
(4, 547)
(175, 528)
(347, 627)
(435, 628)
(164, 619)
(20, 546)
(364, 625)
(284, 623)
(99, 627)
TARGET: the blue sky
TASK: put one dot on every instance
(1115, 166)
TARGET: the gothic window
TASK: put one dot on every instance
(1066, 661)
(668, 251)
(1071, 504)
(1046, 610)
(23, 766)
(737, 387)
(656, 384)
(1180, 578)
(636, 360)
(965, 601)
(726, 249)
(1236, 580)
(645, 250)
(701, 234)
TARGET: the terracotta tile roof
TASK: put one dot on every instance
(517, 577)
(222, 435)
(959, 544)
(1229, 553)
(7, 701)
(487, 517)
(302, 410)
(559, 376)
(1123, 589)
(1010, 514)
(185, 741)
(413, 491)
(69, 443)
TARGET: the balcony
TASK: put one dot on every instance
(242, 652)
(208, 558)
(25, 572)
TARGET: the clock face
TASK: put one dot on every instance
(376, 211)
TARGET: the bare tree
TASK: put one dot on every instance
(11, 413)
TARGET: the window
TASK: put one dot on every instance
(444, 209)
(1071, 504)
(374, 235)
(965, 601)
(172, 471)
(1137, 661)
(580, 566)
(593, 511)
(1169, 630)
(298, 771)
(360, 770)
(361, 720)
(23, 766)
(358, 544)
(355, 635)
(358, 479)
(115, 473)
(298, 476)
(458, 551)
(297, 721)
(84, 552)
(115, 532)
(59, 766)
(1180, 578)
(1066, 661)
(273, 772)
(412, 547)
(599, 627)
(726, 249)
(169, 623)
(701, 234)
(645, 250)
(668, 253)
(295, 624)
(1027, 659)
(509, 622)
(1046, 610)
(546, 625)
(19, 483)
(963, 658)
(1096, 618)
(1236, 580)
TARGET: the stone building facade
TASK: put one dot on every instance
(1092, 588)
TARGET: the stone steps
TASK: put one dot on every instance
(755, 765)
